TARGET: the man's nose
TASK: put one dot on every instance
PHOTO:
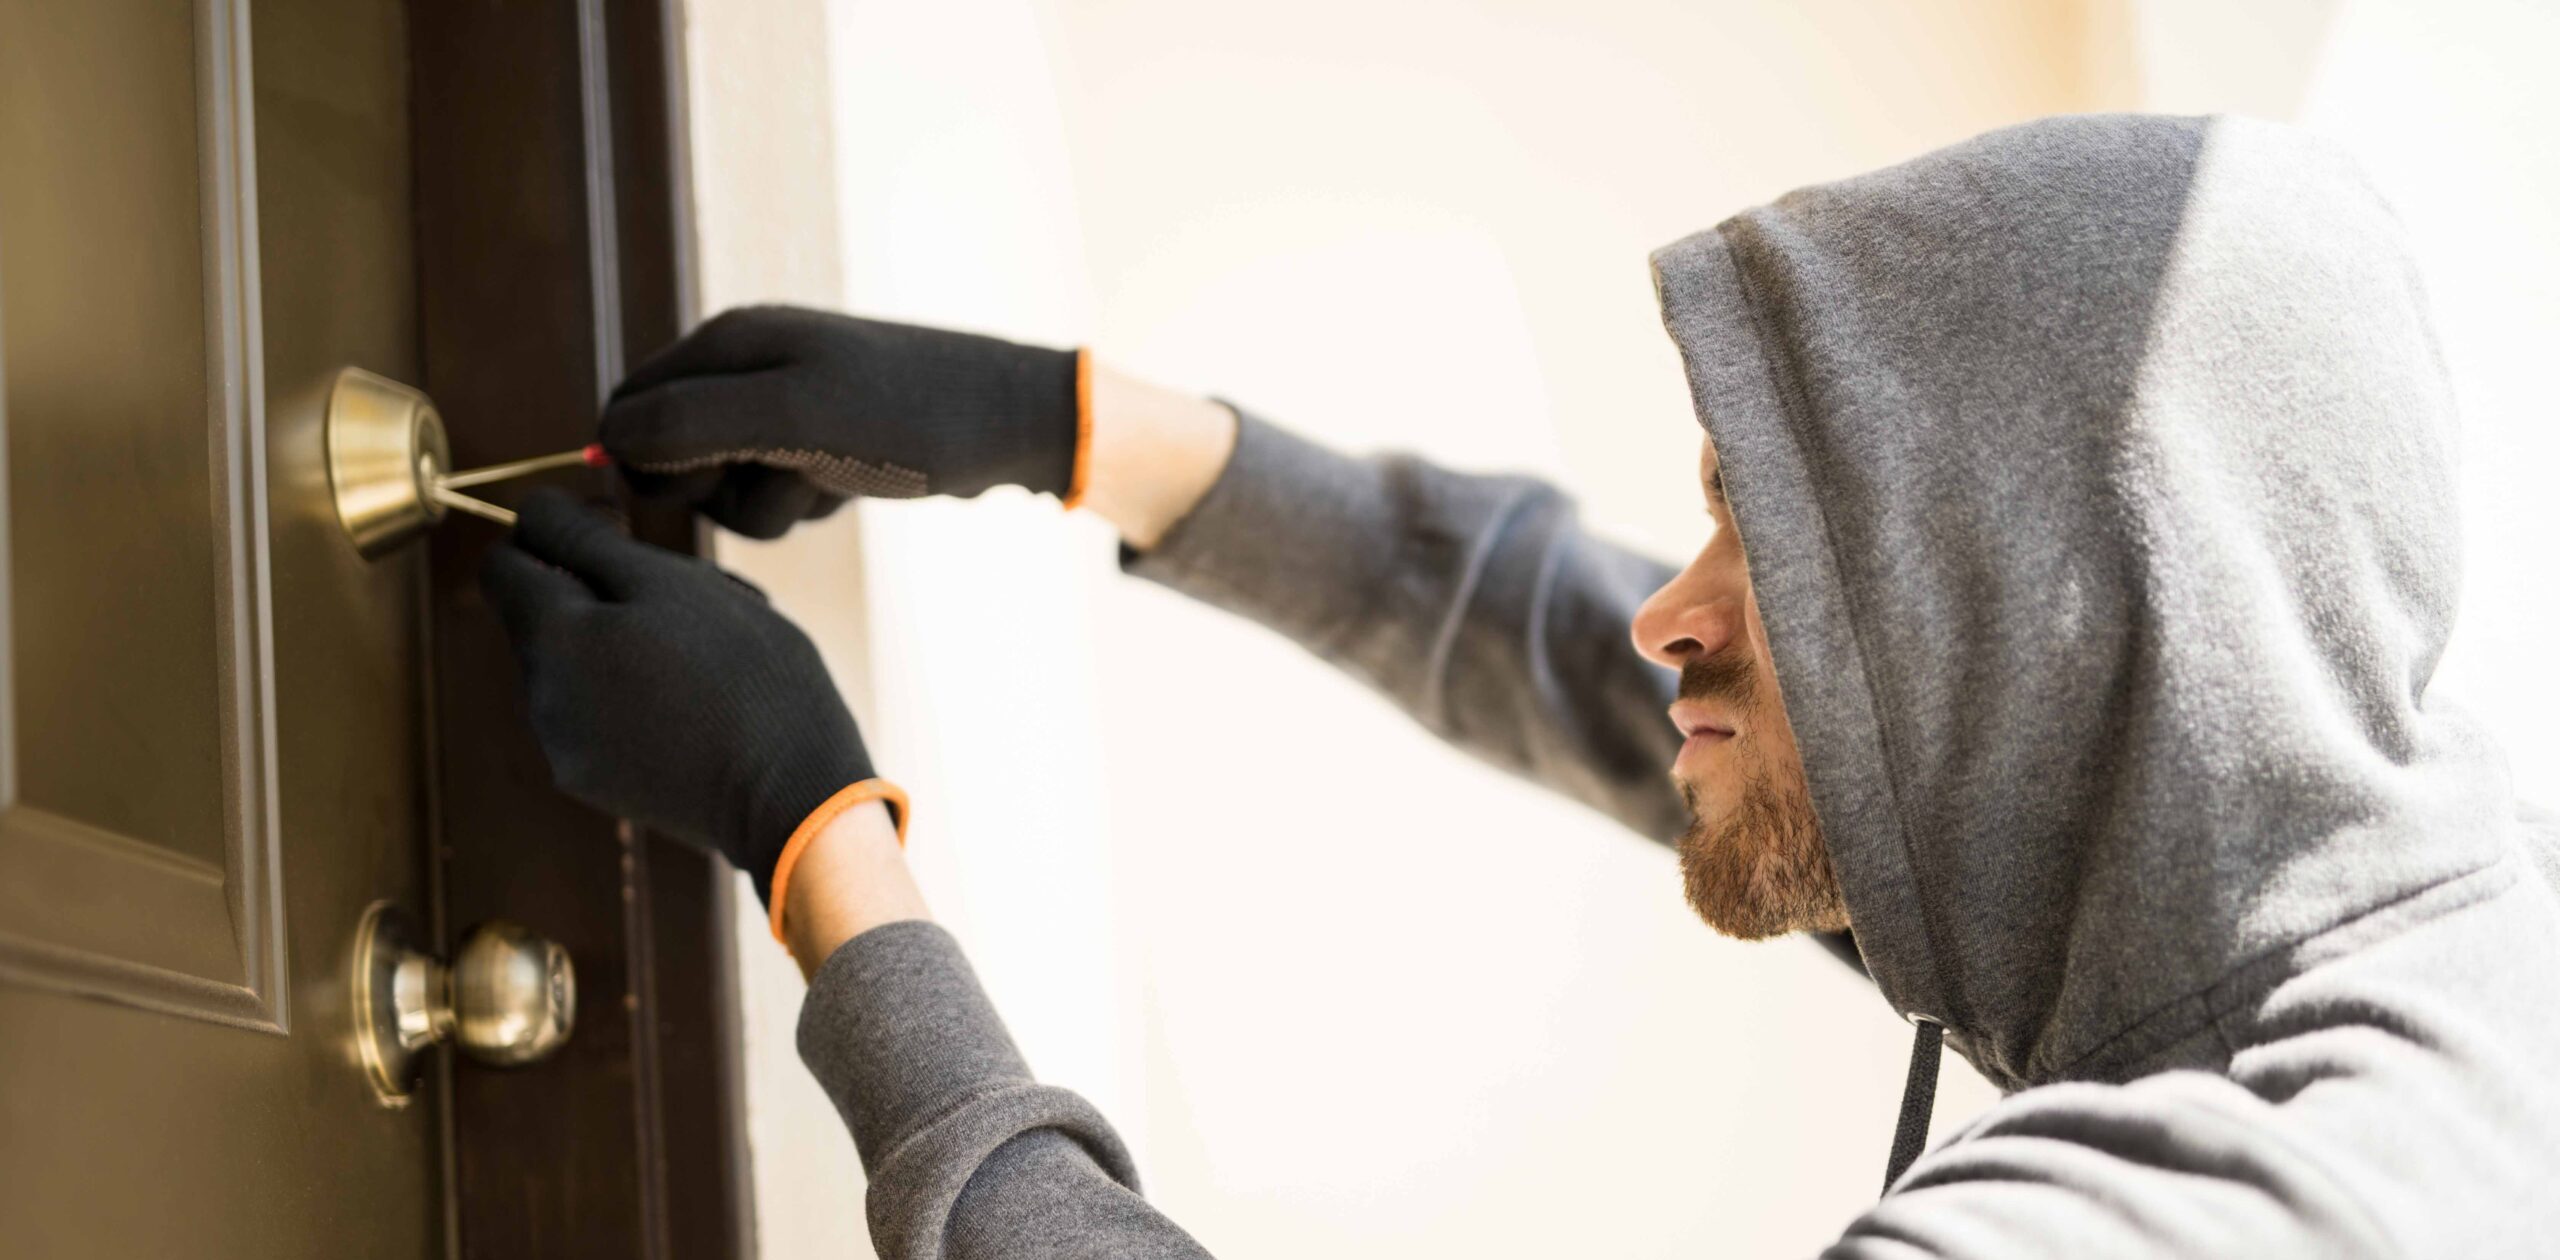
(1685, 619)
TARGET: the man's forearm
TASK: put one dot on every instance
(1155, 451)
(853, 878)
(968, 1156)
(1474, 601)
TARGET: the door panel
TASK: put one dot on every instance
(221, 737)
(134, 631)
(214, 720)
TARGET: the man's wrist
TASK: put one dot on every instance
(852, 878)
(1153, 453)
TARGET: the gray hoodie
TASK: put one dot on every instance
(2096, 478)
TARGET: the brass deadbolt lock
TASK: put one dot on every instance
(391, 469)
(509, 997)
(386, 453)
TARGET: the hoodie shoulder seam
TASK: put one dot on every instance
(2263, 971)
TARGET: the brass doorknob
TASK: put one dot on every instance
(509, 997)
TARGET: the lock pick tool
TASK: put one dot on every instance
(448, 486)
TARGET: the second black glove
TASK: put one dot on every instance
(665, 691)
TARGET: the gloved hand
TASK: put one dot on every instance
(666, 691)
(770, 415)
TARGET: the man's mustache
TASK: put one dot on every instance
(1726, 676)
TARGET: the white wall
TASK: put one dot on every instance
(1346, 992)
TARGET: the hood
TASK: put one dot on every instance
(2097, 481)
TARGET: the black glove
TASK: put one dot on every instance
(770, 415)
(666, 691)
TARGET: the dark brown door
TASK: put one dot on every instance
(223, 734)
(213, 730)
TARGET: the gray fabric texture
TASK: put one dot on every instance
(1475, 602)
(967, 1156)
(2096, 480)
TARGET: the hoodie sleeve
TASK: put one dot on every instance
(967, 1156)
(1476, 603)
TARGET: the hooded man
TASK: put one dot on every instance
(2083, 548)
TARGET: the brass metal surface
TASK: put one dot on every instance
(387, 452)
(394, 1012)
(389, 464)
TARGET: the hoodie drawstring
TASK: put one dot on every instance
(1919, 1094)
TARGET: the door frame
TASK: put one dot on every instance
(554, 248)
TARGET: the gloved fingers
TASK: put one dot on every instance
(557, 529)
(747, 339)
(699, 421)
(761, 502)
(526, 592)
(691, 486)
(711, 490)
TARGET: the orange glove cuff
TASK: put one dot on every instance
(1077, 478)
(880, 790)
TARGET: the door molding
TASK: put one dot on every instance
(553, 249)
(84, 909)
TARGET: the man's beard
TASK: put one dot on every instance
(1762, 869)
